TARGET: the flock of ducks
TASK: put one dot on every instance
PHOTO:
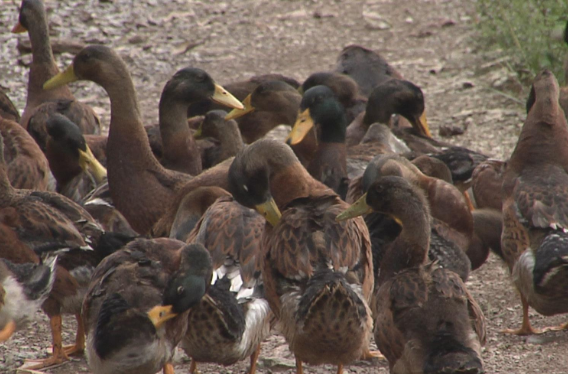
(360, 223)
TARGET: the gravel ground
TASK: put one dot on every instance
(432, 42)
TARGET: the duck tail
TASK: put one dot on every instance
(551, 262)
(448, 356)
(329, 296)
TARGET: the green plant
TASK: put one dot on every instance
(523, 29)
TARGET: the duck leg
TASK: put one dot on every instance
(340, 369)
(299, 369)
(253, 360)
(7, 331)
(561, 327)
(193, 367)
(168, 368)
(79, 347)
(58, 355)
(526, 328)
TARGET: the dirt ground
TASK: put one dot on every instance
(432, 42)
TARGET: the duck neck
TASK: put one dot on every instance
(230, 139)
(59, 162)
(128, 143)
(179, 149)
(289, 173)
(410, 248)
(43, 65)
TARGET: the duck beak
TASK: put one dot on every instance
(358, 208)
(88, 162)
(160, 314)
(18, 29)
(303, 125)
(198, 134)
(236, 113)
(224, 97)
(270, 212)
(421, 124)
(61, 79)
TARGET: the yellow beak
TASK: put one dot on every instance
(270, 212)
(160, 314)
(88, 162)
(358, 208)
(236, 113)
(422, 125)
(18, 28)
(303, 125)
(61, 79)
(224, 97)
(198, 134)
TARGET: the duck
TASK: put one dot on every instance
(233, 318)
(534, 240)
(239, 89)
(136, 308)
(343, 86)
(452, 222)
(317, 273)
(41, 104)
(226, 133)
(320, 108)
(50, 223)
(23, 289)
(426, 321)
(180, 151)
(395, 96)
(130, 162)
(365, 66)
(28, 167)
(272, 103)
(71, 161)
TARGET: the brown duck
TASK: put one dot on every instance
(233, 318)
(136, 308)
(41, 104)
(535, 210)
(426, 321)
(317, 273)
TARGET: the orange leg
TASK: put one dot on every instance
(299, 369)
(253, 360)
(193, 367)
(340, 369)
(59, 354)
(168, 368)
(561, 327)
(79, 347)
(526, 328)
(7, 331)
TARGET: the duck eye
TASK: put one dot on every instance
(180, 290)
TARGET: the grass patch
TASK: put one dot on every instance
(524, 30)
